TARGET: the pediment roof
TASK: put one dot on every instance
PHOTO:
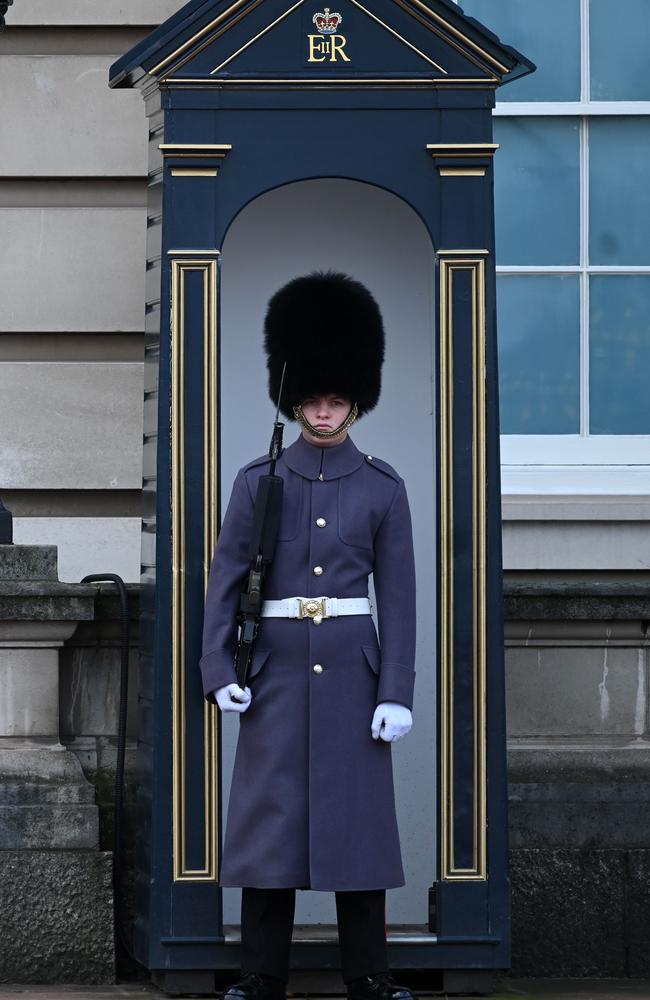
(231, 41)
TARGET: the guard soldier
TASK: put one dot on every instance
(312, 801)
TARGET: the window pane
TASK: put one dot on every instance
(619, 193)
(619, 50)
(548, 32)
(537, 190)
(619, 354)
(539, 354)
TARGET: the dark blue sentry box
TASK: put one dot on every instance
(243, 97)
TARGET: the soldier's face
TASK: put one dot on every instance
(326, 413)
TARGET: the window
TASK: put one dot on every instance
(573, 251)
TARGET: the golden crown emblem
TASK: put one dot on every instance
(327, 21)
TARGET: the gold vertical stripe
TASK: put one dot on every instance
(208, 268)
(469, 261)
(178, 570)
(447, 568)
(480, 565)
(211, 715)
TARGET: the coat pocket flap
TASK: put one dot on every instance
(373, 657)
(260, 657)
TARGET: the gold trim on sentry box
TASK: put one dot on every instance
(201, 34)
(400, 37)
(429, 13)
(461, 171)
(210, 521)
(462, 149)
(195, 149)
(357, 4)
(195, 253)
(209, 30)
(234, 8)
(258, 35)
(446, 566)
(194, 171)
(179, 269)
(463, 253)
(449, 40)
(472, 261)
(358, 82)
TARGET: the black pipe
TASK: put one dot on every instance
(121, 749)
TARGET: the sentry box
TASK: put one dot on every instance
(285, 137)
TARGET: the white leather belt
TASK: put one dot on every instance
(316, 608)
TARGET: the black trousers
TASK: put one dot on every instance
(267, 924)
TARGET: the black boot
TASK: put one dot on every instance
(254, 986)
(381, 986)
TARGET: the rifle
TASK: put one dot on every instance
(266, 523)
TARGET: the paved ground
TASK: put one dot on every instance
(540, 989)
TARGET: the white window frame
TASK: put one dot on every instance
(576, 463)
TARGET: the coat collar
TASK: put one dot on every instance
(309, 460)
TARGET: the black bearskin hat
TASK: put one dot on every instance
(328, 328)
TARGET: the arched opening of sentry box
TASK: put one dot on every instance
(376, 237)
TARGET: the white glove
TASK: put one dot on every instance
(391, 721)
(232, 698)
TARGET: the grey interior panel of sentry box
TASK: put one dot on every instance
(377, 238)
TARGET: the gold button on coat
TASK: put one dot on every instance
(317, 668)
(318, 570)
(321, 522)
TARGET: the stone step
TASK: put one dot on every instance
(43, 827)
(34, 794)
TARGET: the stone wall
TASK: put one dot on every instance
(56, 893)
(579, 772)
(73, 213)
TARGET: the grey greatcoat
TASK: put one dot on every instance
(312, 802)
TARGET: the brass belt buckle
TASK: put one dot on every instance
(312, 607)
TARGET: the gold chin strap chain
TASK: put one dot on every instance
(349, 420)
